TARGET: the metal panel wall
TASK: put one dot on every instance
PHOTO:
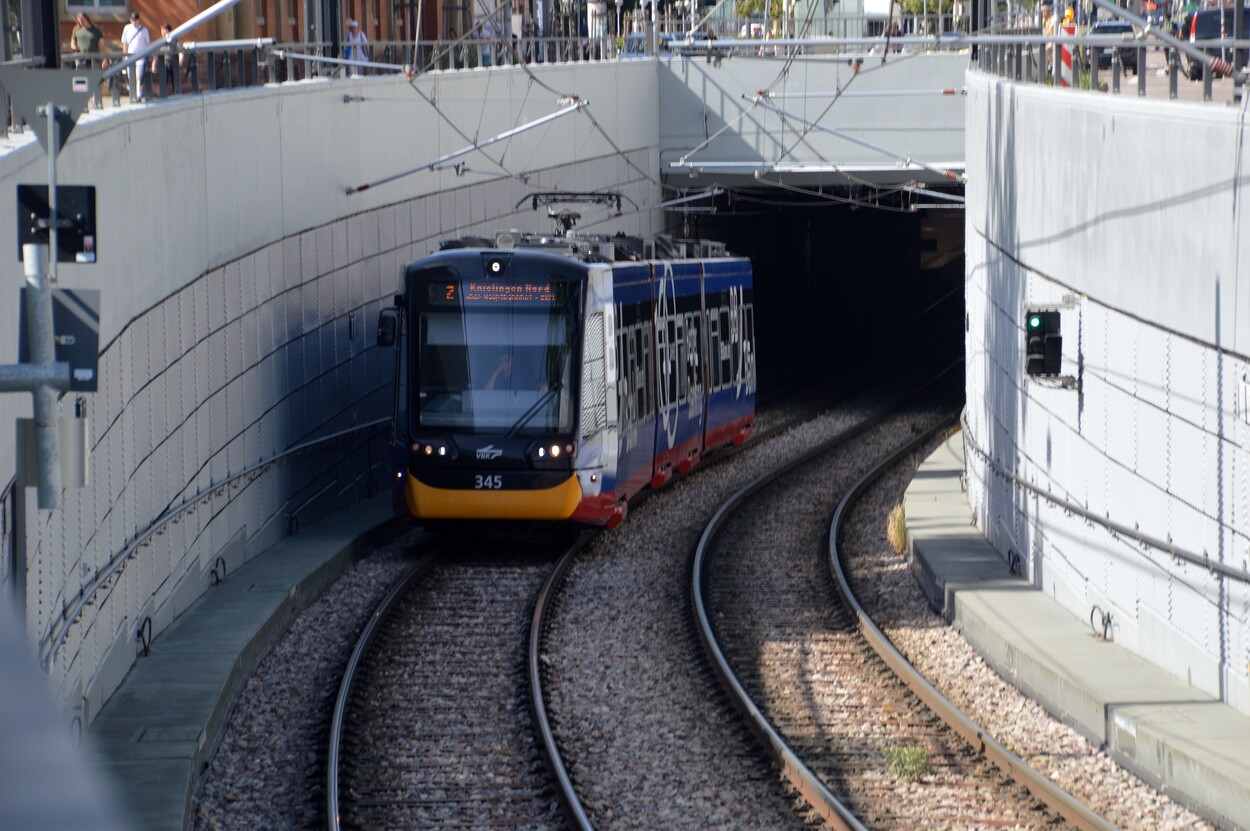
(199, 395)
(1155, 432)
(1166, 458)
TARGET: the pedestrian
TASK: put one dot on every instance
(1170, 28)
(136, 38)
(85, 40)
(174, 60)
(487, 35)
(357, 46)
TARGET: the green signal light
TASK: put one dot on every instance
(1035, 321)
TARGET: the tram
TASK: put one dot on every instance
(553, 377)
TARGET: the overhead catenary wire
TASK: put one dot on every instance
(477, 145)
(767, 93)
(845, 200)
(842, 134)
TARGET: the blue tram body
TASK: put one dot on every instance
(554, 377)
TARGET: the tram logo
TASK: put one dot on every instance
(489, 452)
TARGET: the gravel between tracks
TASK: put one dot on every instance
(648, 738)
(885, 587)
(269, 770)
(800, 656)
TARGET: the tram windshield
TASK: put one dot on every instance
(496, 357)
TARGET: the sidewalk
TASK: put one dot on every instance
(1183, 741)
(157, 732)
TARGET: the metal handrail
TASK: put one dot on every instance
(10, 569)
(51, 643)
(1115, 527)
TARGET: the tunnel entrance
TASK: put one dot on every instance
(841, 287)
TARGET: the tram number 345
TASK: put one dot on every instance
(493, 482)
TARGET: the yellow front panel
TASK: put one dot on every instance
(559, 502)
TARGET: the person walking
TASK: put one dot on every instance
(136, 38)
(357, 44)
(173, 60)
(85, 40)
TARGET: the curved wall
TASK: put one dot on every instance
(241, 286)
(1072, 202)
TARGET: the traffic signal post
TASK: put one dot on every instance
(50, 101)
(1043, 346)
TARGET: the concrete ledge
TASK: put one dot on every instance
(157, 733)
(1183, 741)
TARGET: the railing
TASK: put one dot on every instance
(1076, 61)
(8, 537)
(195, 68)
(1071, 56)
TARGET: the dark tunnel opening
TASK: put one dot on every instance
(845, 289)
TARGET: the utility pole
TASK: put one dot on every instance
(49, 229)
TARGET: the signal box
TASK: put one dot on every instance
(1043, 343)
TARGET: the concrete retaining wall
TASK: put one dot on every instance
(241, 286)
(1126, 215)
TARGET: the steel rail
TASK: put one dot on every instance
(831, 809)
(822, 800)
(219, 45)
(574, 811)
(284, 54)
(51, 644)
(1040, 786)
(384, 609)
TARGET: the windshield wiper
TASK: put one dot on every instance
(534, 409)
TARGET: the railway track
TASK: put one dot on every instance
(432, 725)
(647, 738)
(429, 728)
(853, 731)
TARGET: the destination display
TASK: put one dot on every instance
(494, 292)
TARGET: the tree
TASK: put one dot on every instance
(756, 8)
(933, 6)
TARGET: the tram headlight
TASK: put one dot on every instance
(432, 449)
(552, 453)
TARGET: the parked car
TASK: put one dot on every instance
(1212, 25)
(1128, 54)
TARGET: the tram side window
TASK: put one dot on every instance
(635, 361)
(669, 368)
(401, 375)
(694, 360)
(713, 348)
(719, 333)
